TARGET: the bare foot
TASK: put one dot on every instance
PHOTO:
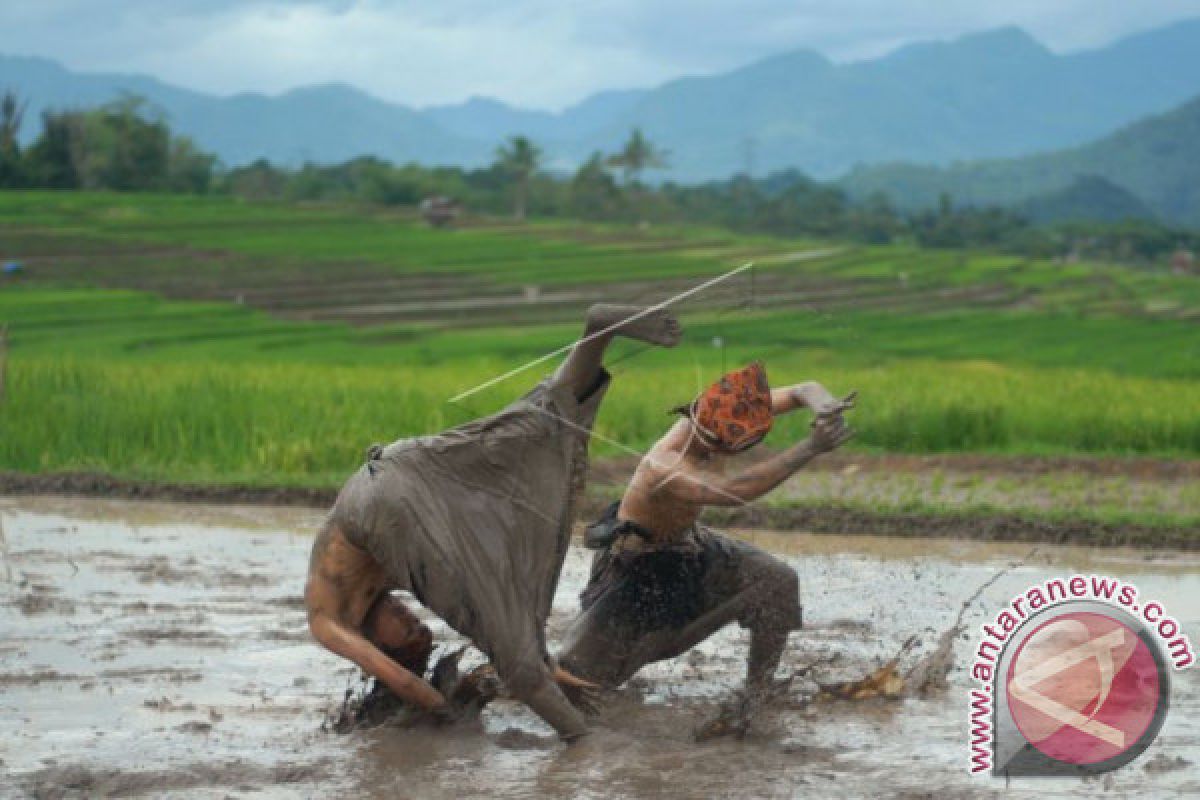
(734, 718)
(656, 325)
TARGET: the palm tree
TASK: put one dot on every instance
(637, 155)
(12, 112)
(519, 158)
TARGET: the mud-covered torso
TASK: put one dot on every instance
(650, 503)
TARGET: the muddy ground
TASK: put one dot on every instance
(155, 649)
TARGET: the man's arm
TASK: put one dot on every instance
(331, 575)
(809, 394)
(697, 487)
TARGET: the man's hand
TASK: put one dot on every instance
(829, 429)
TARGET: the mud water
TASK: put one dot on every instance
(153, 649)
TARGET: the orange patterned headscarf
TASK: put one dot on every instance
(735, 412)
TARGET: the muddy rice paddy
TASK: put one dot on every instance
(156, 649)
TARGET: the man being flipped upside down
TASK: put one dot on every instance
(661, 582)
(475, 522)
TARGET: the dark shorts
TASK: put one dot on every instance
(645, 606)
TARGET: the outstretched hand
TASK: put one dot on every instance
(829, 429)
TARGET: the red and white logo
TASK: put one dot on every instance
(1072, 679)
(1083, 688)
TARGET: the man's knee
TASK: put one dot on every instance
(589, 651)
(785, 581)
(778, 589)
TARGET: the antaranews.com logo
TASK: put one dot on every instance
(1072, 679)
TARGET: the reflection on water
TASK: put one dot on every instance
(169, 639)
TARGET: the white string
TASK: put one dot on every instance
(646, 456)
(648, 310)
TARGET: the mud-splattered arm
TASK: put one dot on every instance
(809, 394)
(699, 487)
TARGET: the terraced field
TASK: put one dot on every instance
(208, 340)
(368, 267)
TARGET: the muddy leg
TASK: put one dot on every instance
(771, 610)
(582, 367)
(531, 682)
(773, 621)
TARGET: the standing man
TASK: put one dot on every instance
(661, 582)
(475, 522)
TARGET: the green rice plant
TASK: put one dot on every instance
(309, 423)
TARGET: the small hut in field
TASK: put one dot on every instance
(1183, 262)
(440, 211)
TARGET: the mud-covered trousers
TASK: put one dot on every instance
(649, 603)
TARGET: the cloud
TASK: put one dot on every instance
(539, 53)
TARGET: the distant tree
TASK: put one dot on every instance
(519, 159)
(874, 221)
(189, 169)
(636, 156)
(12, 113)
(54, 160)
(257, 181)
(594, 193)
(127, 146)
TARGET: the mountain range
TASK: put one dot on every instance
(1150, 168)
(988, 95)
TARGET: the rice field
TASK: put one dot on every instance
(203, 339)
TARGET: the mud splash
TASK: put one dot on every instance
(156, 649)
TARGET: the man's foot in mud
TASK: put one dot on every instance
(736, 716)
(597, 743)
(656, 326)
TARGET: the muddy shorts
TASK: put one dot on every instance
(656, 602)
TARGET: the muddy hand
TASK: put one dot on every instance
(829, 432)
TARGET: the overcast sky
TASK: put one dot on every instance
(534, 53)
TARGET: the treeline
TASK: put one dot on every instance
(607, 188)
(119, 146)
(124, 146)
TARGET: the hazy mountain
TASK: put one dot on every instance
(1088, 197)
(1156, 160)
(322, 123)
(485, 119)
(993, 94)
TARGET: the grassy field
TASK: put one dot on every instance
(349, 326)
